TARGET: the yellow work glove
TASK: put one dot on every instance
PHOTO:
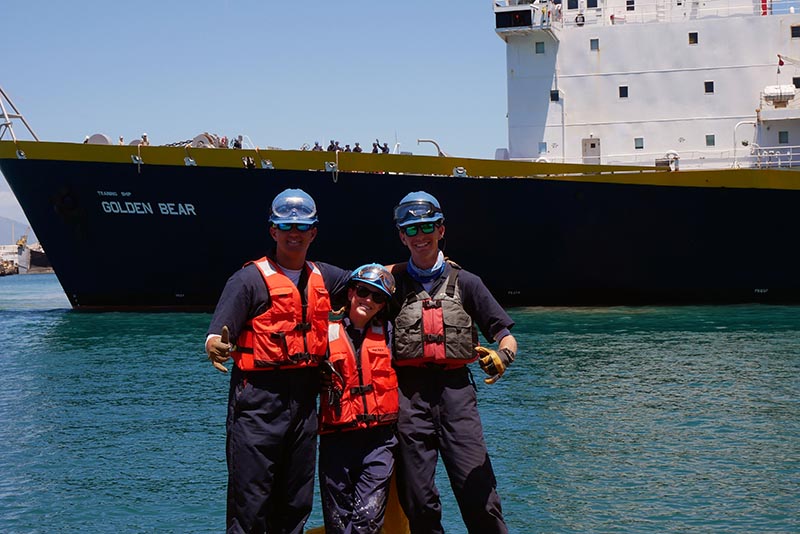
(494, 363)
(219, 349)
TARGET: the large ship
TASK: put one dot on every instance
(652, 158)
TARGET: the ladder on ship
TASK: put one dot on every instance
(6, 117)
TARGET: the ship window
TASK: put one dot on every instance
(513, 19)
(795, 32)
(542, 147)
(592, 4)
(554, 95)
(630, 5)
(692, 37)
(539, 47)
(638, 143)
(623, 91)
(709, 87)
(796, 81)
(594, 44)
(783, 138)
(572, 4)
(710, 140)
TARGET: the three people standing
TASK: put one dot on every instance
(276, 311)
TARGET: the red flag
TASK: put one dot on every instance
(780, 61)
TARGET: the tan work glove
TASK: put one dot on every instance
(219, 349)
(494, 363)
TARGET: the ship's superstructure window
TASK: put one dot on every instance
(591, 4)
(594, 44)
(542, 147)
(623, 91)
(711, 140)
(638, 143)
(783, 138)
(539, 47)
(709, 87)
(796, 81)
(572, 4)
(795, 32)
(630, 5)
(693, 38)
(554, 95)
(513, 19)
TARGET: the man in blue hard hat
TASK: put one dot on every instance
(272, 319)
(438, 306)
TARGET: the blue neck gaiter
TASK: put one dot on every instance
(423, 276)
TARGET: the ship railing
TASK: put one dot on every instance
(579, 13)
(776, 157)
(756, 156)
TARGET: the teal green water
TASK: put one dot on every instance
(618, 420)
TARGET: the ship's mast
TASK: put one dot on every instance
(6, 124)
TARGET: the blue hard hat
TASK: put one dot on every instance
(375, 275)
(293, 206)
(418, 207)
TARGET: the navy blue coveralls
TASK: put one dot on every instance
(272, 420)
(439, 415)
(355, 468)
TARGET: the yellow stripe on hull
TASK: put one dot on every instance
(405, 164)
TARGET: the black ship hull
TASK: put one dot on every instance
(127, 236)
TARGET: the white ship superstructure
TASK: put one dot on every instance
(701, 84)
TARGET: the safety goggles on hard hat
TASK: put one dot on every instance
(375, 275)
(294, 208)
(410, 212)
(414, 229)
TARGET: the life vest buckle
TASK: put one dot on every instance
(433, 338)
(430, 304)
(366, 418)
(360, 390)
(303, 327)
(301, 357)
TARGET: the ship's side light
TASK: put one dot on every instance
(331, 166)
(459, 172)
(137, 159)
(21, 154)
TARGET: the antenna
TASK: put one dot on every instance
(6, 117)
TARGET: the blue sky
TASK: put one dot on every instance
(283, 73)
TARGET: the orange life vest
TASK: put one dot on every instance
(287, 335)
(364, 378)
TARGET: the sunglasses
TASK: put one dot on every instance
(414, 229)
(377, 297)
(285, 227)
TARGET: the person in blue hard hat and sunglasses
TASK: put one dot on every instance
(358, 411)
(272, 319)
(438, 307)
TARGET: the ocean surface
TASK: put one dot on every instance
(612, 420)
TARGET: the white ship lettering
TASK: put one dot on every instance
(134, 208)
(171, 208)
